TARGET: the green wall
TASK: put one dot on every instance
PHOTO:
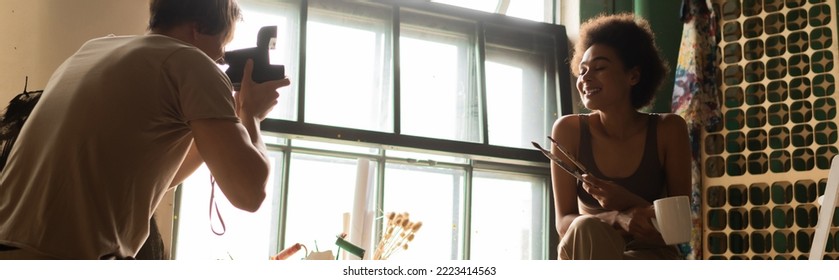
(663, 16)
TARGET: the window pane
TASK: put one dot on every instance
(520, 94)
(255, 15)
(321, 190)
(535, 10)
(432, 196)
(438, 84)
(509, 208)
(483, 5)
(246, 235)
(347, 66)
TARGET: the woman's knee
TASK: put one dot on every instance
(587, 223)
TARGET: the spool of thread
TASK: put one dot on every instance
(284, 254)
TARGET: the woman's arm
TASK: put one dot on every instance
(566, 131)
(673, 133)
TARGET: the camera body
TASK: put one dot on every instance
(263, 70)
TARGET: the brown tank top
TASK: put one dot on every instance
(647, 181)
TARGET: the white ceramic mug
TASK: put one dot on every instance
(672, 219)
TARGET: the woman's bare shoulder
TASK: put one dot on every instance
(567, 124)
(671, 123)
(566, 130)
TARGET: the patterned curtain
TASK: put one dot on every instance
(696, 98)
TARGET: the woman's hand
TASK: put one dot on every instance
(637, 222)
(611, 195)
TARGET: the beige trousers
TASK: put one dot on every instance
(589, 238)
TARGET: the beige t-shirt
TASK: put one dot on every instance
(104, 143)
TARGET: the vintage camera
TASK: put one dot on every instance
(263, 70)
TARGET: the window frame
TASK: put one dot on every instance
(480, 155)
(481, 152)
(476, 150)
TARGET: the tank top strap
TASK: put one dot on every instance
(586, 155)
(651, 144)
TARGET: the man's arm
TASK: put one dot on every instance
(191, 163)
(239, 164)
(233, 151)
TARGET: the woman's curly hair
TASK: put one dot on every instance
(634, 42)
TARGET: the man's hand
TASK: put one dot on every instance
(255, 100)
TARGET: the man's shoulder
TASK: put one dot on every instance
(165, 48)
(136, 43)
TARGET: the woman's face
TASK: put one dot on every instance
(603, 81)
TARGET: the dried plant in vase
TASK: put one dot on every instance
(399, 232)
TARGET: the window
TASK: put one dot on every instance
(245, 235)
(348, 66)
(321, 191)
(432, 195)
(509, 207)
(438, 78)
(439, 101)
(285, 16)
(521, 99)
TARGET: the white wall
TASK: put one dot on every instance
(37, 35)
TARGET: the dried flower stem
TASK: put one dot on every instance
(399, 232)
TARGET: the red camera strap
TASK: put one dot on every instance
(213, 204)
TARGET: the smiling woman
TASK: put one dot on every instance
(632, 158)
(631, 44)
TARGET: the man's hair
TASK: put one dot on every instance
(634, 42)
(212, 16)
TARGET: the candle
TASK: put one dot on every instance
(359, 213)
